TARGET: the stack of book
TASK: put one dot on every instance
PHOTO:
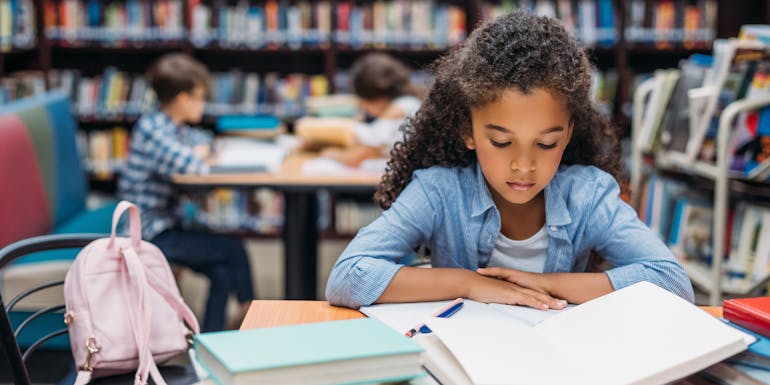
(751, 315)
(338, 352)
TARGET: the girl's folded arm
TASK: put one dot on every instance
(625, 242)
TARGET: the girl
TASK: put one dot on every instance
(384, 92)
(509, 174)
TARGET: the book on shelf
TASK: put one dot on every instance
(104, 151)
(684, 220)
(735, 63)
(113, 24)
(326, 353)
(691, 230)
(659, 201)
(669, 23)
(751, 154)
(639, 323)
(233, 210)
(419, 24)
(21, 84)
(675, 126)
(592, 21)
(750, 253)
(119, 95)
(662, 86)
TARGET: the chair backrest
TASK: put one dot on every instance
(42, 177)
(8, 336)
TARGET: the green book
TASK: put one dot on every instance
(354, 351)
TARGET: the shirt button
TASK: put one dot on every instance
(553, 228)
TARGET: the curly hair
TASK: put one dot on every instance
(515, 51)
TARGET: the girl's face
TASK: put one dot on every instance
(519, 141)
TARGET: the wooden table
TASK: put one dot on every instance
(264, 313)
(269, 313)
(300, 225)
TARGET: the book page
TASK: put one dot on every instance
(504, 352)
(641, 323)
(526, 314)
(440, 362)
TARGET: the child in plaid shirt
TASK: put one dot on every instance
(162, 145)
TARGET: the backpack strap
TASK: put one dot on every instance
(174, 300)
(141, 321)
(134, 224)
(83, 377)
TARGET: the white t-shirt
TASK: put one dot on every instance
(384, 133)
(525, 255)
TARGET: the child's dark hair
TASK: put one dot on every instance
(378, 75)
(175, 73)
(519, 51)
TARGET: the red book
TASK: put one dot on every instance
(751, 313)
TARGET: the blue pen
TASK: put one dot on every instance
(444, 312)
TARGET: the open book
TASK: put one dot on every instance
(640, 334)
(247, 155)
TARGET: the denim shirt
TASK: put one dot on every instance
(450, 210)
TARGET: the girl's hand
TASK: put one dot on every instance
(493, 290)
(534, 281)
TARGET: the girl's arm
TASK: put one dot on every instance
(368, 271)
(615, 232)
(573, 287)
(413, 284)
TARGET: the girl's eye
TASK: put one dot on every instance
(498, 144)
(546, 146)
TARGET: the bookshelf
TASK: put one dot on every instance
(728, 258)
(217, 32)
(325, 47)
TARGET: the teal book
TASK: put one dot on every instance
(228, 123)
(349, 352)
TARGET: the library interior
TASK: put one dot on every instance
(276, 191)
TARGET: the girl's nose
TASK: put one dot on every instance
(522, 164)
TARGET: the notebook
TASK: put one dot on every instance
(245, 155)
(640, 334)
(337, 352)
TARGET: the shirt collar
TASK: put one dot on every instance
(556, 213)
(165, 121)
(482, 198)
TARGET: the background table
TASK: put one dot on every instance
(300, 225)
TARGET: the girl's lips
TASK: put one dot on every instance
(520, 186)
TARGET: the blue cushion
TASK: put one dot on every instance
(91, 221)
(39, 328)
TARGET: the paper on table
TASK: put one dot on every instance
(403, 316)
(328, 166)
(244, 152)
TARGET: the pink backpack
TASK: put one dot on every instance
(124, 311)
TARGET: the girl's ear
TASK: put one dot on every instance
(469, 143)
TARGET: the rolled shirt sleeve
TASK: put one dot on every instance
(624, 241)
(368, 264)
